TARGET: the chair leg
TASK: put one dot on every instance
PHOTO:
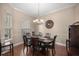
(23, 48)
(27, 49)
(47, 52)
(12, 50)
(53, 52)
(0, 50)
(33, 52)
(69, 52)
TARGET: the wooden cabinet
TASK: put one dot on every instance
(0, 48)
(74, 36)
(72, 44)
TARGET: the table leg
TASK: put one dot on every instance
(12, 50)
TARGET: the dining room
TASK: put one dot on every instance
(39, 29)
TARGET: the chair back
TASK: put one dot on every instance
(33, 33)
(54, 39)
(47, 35)
(35, 42)
(29, 40)
(24, 39)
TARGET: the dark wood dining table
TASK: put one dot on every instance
(44, 42)
(43, 39)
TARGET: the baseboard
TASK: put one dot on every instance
(58, 43)
(18, 44)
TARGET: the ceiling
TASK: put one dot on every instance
(44, 8)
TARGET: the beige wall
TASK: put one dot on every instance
(0, 22)
(77, 12)
(19, 19)
(62, 19)
(5, 8)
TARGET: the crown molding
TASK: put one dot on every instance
(20, 10)
(16, 8)
(50, 12)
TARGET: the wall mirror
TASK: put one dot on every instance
(49, 24)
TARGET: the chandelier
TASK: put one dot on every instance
(38, 20)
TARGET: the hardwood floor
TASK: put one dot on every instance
(18, 51)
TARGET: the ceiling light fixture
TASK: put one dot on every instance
(38, 20)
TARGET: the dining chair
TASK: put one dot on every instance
(47, 35)
(35, 45)
(40, 34)
(51, 45)
(27, 42)
(44, 47)
(24, 42)
(33, 33)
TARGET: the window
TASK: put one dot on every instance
(8, 26)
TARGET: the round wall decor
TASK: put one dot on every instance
(49, 24)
